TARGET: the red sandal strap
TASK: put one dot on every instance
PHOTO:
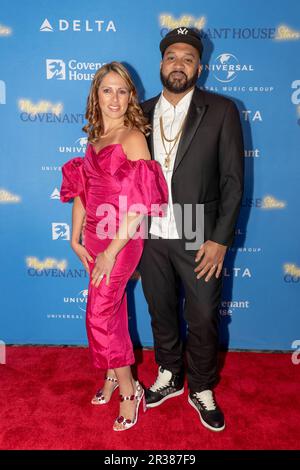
(126, 397)
(111, 379)
(122, 420)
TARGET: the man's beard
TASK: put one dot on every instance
(176, 86)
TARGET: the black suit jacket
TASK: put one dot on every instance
(208, 166)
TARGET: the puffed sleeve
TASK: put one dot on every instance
(146, 188)
(73, 181)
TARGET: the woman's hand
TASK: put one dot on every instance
(103, 266)
(83, 254)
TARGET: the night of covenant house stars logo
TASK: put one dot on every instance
(268, 202)
(46, 112)
(207, 30)
(5, 30)
(51, 267)
(6, 197)
(291, 273)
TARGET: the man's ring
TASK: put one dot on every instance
(101, 276)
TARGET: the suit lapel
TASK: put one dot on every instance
(195, 115)
(151, 141)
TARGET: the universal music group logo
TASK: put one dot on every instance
(227, 66)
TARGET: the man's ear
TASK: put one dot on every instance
(200, 67)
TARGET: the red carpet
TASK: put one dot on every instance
(45, 397)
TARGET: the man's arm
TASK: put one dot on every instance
(231, 168)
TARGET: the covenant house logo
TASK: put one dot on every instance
(88, 26)
(72, 70)
(60, 231)
(55, 68)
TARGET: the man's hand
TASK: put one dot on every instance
(212, 256)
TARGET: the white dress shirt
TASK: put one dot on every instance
(173, 117)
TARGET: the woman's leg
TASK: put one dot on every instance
(104, 394)
(127, 388)
(109, 385)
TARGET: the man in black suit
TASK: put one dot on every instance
(197, 138)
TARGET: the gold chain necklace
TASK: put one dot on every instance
(164, 138)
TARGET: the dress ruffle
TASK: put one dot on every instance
(73, 183)
(141, 183)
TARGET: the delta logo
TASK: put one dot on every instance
(89, 26)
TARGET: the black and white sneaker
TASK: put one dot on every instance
(210, 414)
(167, 385)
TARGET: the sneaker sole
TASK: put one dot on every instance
(202, 420)
(171, 395)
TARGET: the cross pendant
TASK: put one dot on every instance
(167, 162)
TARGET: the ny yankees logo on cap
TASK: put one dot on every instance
(182, 34)
(182, 31)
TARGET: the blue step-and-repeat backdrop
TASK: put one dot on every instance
(49, 52)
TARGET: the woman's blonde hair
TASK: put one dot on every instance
(134, 117)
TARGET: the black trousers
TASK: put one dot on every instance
(163, 265)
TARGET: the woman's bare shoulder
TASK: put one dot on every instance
(135, 145)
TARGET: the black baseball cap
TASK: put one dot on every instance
(182, 34)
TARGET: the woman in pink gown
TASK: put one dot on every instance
(114, 187)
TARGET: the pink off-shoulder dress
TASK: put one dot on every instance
(109, 185)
